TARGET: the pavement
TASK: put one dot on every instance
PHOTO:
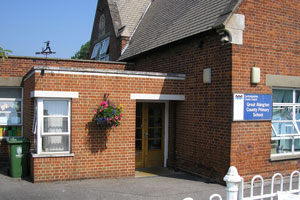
(165, 186)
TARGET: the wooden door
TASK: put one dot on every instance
(149, 135)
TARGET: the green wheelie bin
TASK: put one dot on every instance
(18, 149)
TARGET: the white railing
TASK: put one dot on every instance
(235, 188)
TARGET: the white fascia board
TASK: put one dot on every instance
(161, 97)
(54, 94)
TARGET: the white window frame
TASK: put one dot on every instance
(14, 100)
(40, 125)
(291, 137)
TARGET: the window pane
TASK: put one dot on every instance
(10, 106)
(282, 96)
(282, 113)
(57, 108)
(284, 128)
(155, 132)
(298, 124)
(139, 108)
(55, 143)
(138, 133)
(297, 113)
(139, 122)
(104, 47)
(281, 146)
(138, 145)
(273, 134)
(297, 145)
(55, 124)
(154, 122)
(10, 118)
(10, 92)
(104, 58)
(96, 50)
(155, 111)
(154, 144)
(297, 96)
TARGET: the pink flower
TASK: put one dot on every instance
(103, 103)
(105, 106)
(121, 118)
(116, 117)
(95, 111)
(121, 115)
(101, 110)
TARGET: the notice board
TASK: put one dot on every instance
(252, 107)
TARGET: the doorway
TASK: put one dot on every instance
(150, 135)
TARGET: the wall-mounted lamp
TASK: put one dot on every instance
(207, 75)
(255, 75)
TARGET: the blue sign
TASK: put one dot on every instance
(257, 107)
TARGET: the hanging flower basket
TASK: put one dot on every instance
(108, 114)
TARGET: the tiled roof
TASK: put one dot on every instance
(167, 21)
(129, 13)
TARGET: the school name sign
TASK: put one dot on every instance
(252, 107)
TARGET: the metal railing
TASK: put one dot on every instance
(235, 187)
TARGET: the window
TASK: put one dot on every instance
(11, 104)
(96, 50)
(53, 125)
(100, 51)
(286, 121)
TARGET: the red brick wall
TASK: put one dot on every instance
(271, 42)
(28, 110)
(123, 42)
(17, 66)
(98, 153)
(203, 120)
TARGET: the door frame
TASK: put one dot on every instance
(166, 126)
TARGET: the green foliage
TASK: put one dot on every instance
(83, 52)
(4, 53)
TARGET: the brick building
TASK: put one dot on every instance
(205, 85)
(243, 47)
(54, 106)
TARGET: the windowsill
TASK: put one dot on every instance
(53, 155)
(284, 157)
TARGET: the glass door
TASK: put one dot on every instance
(149, 135)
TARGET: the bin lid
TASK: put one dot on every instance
(14, 140)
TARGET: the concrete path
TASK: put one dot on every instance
(175, 186)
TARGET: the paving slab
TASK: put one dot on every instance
(175, 186)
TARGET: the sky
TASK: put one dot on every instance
(26, 24)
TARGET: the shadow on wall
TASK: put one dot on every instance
(97, 137)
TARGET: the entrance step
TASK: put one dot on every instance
(153, 171)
